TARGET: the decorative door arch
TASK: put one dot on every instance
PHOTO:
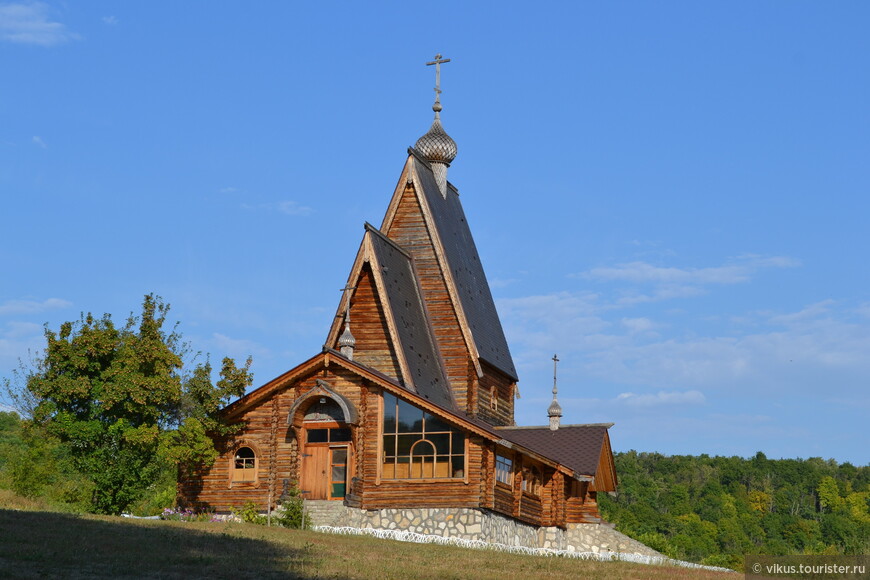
(324, 421)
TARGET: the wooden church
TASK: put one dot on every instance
(410, 403)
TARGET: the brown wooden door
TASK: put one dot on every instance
(316, 472)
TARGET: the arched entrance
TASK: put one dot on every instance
(323, 419)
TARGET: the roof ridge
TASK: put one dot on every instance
(370, 228)
(547, 427)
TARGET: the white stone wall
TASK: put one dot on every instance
(491, 527)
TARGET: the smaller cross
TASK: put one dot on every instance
(438, 62)
(347, 312)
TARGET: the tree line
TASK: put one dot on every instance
(715, 510)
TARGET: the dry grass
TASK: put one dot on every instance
(39, 544)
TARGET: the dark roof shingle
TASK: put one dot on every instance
(467, 271)
(411, 323)
(575, 446)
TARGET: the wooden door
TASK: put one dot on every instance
(316, 472)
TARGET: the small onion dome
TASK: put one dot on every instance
(346, 338)
(555, 409)
(436, 145)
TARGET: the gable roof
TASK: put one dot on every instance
(578, 447)
(401, 301)
(460, 264)
(404, 304)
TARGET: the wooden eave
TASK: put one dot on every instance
(605, 477)
(265, 391)
(409, 177)
(332, 357)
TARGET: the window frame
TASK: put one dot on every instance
(248, 474)
(401, 443)
(504, 465)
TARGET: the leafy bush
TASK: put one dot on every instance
(291, 511)
(249, 514)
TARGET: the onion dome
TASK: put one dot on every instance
(346, 342)
(555, 409)
(436, 145)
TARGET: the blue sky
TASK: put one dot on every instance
(672, 196)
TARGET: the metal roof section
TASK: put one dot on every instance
(465, 268)
(404, 303)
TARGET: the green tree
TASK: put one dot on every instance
(829, 494)
(118, 400)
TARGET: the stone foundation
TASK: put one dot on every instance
(473, 524)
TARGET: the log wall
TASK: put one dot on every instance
(374, 347)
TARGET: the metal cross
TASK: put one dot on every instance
(438, 62)
(555, 362)
(345, 289)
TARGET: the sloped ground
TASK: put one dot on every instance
(46, 544)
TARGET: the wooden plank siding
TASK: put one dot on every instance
(409, 230)
(374, 347)
(503, 499)
(530, 509)
(494, 381)
(582, 505)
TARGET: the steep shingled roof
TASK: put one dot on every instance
(463, 263)
(409, 319)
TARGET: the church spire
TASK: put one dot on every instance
(436, 145)
(555, 409)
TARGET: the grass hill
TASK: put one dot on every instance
(43, 544)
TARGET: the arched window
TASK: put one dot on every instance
(245, 465)
(423, 459)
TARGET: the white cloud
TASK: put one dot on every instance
(502, 282)
(30, 23)
(671, 282)
(293, 208)
(32, 306)
(286, 207)
(110, 20)
(240, 349)
(229, 190)
(38, 141)
(638, 325)
(22, 330)
(662, 398)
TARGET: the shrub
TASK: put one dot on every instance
(291, 511)
(249, 514)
